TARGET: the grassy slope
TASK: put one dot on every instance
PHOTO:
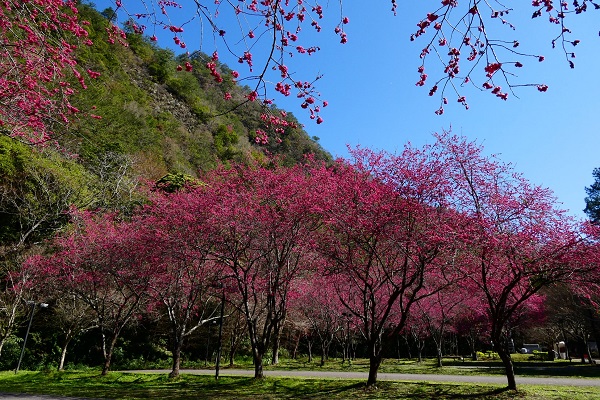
(164, 118)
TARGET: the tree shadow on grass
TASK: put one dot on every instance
(450, 391)
(134, 386)
(335, 389)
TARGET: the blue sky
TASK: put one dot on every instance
(552, 138)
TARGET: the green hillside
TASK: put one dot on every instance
(155, 120)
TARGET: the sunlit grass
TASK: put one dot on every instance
(144, 386)
(523, 367)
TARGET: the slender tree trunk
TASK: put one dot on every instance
(589, 352)
(63, 353)
(420, 345)
(295, 352)
(472, 340)
(108, 351)
(439, 356)
(108, 354)
(508, 366)
(309, 343)
(405, 337)
(259, 347)
(232, 350)
(2, 345)
(325, 340)
(275, 348)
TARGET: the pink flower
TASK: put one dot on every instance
(252, 96)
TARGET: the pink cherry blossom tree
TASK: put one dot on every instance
(472, 322)
(70, 315)
(387, 241)
(438, 312)
(37, 54)
(518, 240)
(15, 288)
(184, 278)
(323, 311)
(415, 331)
(262, 220)
(101, 264)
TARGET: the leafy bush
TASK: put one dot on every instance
(488, 355)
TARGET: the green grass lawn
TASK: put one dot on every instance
(119, 385)
(523, 367)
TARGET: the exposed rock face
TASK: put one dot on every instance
(163, 100)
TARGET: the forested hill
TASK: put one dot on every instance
(165, 117)
(154, 120)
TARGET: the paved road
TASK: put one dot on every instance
(348, 375)
(393, 377)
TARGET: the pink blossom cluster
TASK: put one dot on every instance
(37, 51)
(262, 19)
(467, 31)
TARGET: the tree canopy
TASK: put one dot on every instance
(592, 201)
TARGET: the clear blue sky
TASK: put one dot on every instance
(552, 138)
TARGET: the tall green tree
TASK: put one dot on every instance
(592, 201)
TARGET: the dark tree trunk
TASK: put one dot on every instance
(508, 367)
(258, 366)
(407, 347)
(232, 350)
(258, 350)
(325, 344)
(589, 352)
(374, 363)
(176, 358)
(108, 355)
(472, 340)
(374, 360)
